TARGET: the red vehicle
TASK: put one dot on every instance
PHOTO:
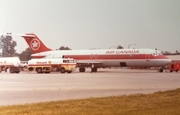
(175, 67)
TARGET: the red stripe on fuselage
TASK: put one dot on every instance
(108, 57)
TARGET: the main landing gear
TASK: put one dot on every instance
(82, 69)
(94, 69)
(160, 70)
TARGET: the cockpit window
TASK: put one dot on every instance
(157, 53)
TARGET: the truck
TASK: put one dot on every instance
(174, 67)
(47, 65)
(11, 63)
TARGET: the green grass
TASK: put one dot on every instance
(160, 103)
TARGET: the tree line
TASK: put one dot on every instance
(7, 45)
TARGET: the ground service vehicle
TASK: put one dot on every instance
(174, 67)
(11, 63)
(47, 65)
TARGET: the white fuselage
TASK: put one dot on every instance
(110, 57)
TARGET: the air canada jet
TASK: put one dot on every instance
(100, 57)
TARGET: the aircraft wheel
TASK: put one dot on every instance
(161, 70)
(81, 69)
(94, 69)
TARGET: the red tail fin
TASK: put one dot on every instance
(35, 43)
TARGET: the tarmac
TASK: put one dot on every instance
(30, 87)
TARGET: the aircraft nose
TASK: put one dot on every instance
(168, 61)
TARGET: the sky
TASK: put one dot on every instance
(86, 24)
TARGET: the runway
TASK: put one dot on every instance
(31, 87)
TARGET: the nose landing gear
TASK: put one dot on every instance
(161, 70)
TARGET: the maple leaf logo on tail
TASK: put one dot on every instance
(35, 44)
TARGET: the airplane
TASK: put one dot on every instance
(100, 57)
